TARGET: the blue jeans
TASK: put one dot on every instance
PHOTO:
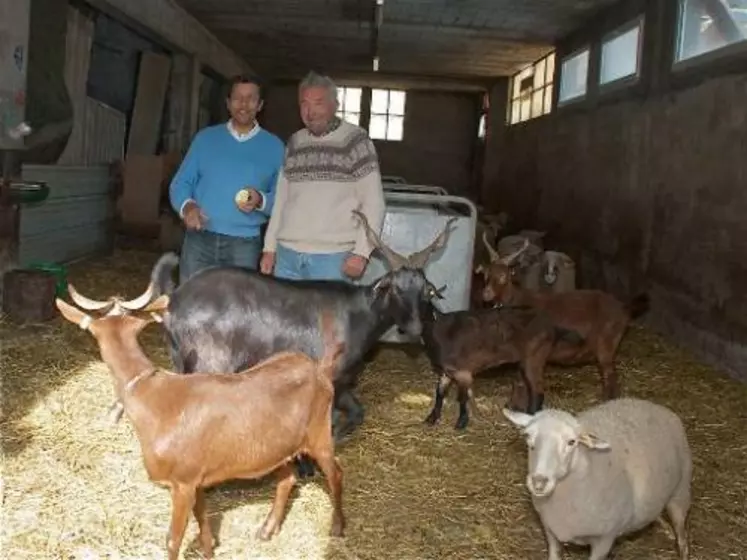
(309, 266)
(202, 249)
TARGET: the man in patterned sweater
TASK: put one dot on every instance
(331, 168)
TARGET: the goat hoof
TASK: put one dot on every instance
(343, 433)
(432, 419)
(265, 534)
(337, 530)
(461, 423)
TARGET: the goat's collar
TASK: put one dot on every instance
(139, 377)
(511, 306)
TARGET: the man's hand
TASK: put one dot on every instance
(248, 200)
(354, 266)
(194, 218)
(267, 263)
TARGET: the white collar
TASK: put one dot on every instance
(243, 137)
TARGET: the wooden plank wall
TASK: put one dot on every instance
(646, 191)
(74, 222)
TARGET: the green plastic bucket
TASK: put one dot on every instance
(58, 271)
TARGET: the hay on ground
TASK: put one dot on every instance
(75, 487)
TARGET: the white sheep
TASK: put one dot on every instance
(607, 472)
(559, 272)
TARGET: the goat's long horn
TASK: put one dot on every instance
(87, 303)
(420, 259)
(394, 259)
(513, 256)
(494, 256)
(141, 301)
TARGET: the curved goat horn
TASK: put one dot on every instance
(141, 301)
(513, 256)
(420, 259)
(494, 256)
(87, 303)
(394, 259)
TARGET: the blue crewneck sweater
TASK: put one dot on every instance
(217, 166)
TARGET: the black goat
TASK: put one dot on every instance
(228, 319)
(460, 344)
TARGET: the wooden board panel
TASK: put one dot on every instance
(139, 204)
(153, 81)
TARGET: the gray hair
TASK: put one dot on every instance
(313, 79)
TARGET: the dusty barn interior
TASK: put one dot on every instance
(613, 131)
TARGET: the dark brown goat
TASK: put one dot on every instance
(599, 317)
(461, 344)
(198, 430)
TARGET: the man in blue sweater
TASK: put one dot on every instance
(222, 227)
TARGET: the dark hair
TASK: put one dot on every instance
(245, 79)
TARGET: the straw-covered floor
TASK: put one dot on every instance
(75, 487)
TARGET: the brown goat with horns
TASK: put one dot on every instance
(198, 430)
(599, 317)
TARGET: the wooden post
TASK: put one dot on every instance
(28, 296)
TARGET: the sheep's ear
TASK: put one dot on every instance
(592, 441)
(518, 419)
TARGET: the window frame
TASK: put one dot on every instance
(730, 50)
(341, 112)
(629, 79)
(387, 114)
(588, 49)
(547, 85)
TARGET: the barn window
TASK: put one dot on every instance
(349, 104)
(573, 73)
(621, 53)
(709, 25)
(530, 90)
(387, 114)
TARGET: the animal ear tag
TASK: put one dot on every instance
(434, 292)
(382, 285)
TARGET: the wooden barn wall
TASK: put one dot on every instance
(645, 190)
(439, 138)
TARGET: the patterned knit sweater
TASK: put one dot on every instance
(324, 178)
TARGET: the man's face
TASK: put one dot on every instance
(317, 108)
(244, 104)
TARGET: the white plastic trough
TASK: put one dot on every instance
(423, 189)
(411, 222)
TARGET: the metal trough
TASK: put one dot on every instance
(423, 189)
